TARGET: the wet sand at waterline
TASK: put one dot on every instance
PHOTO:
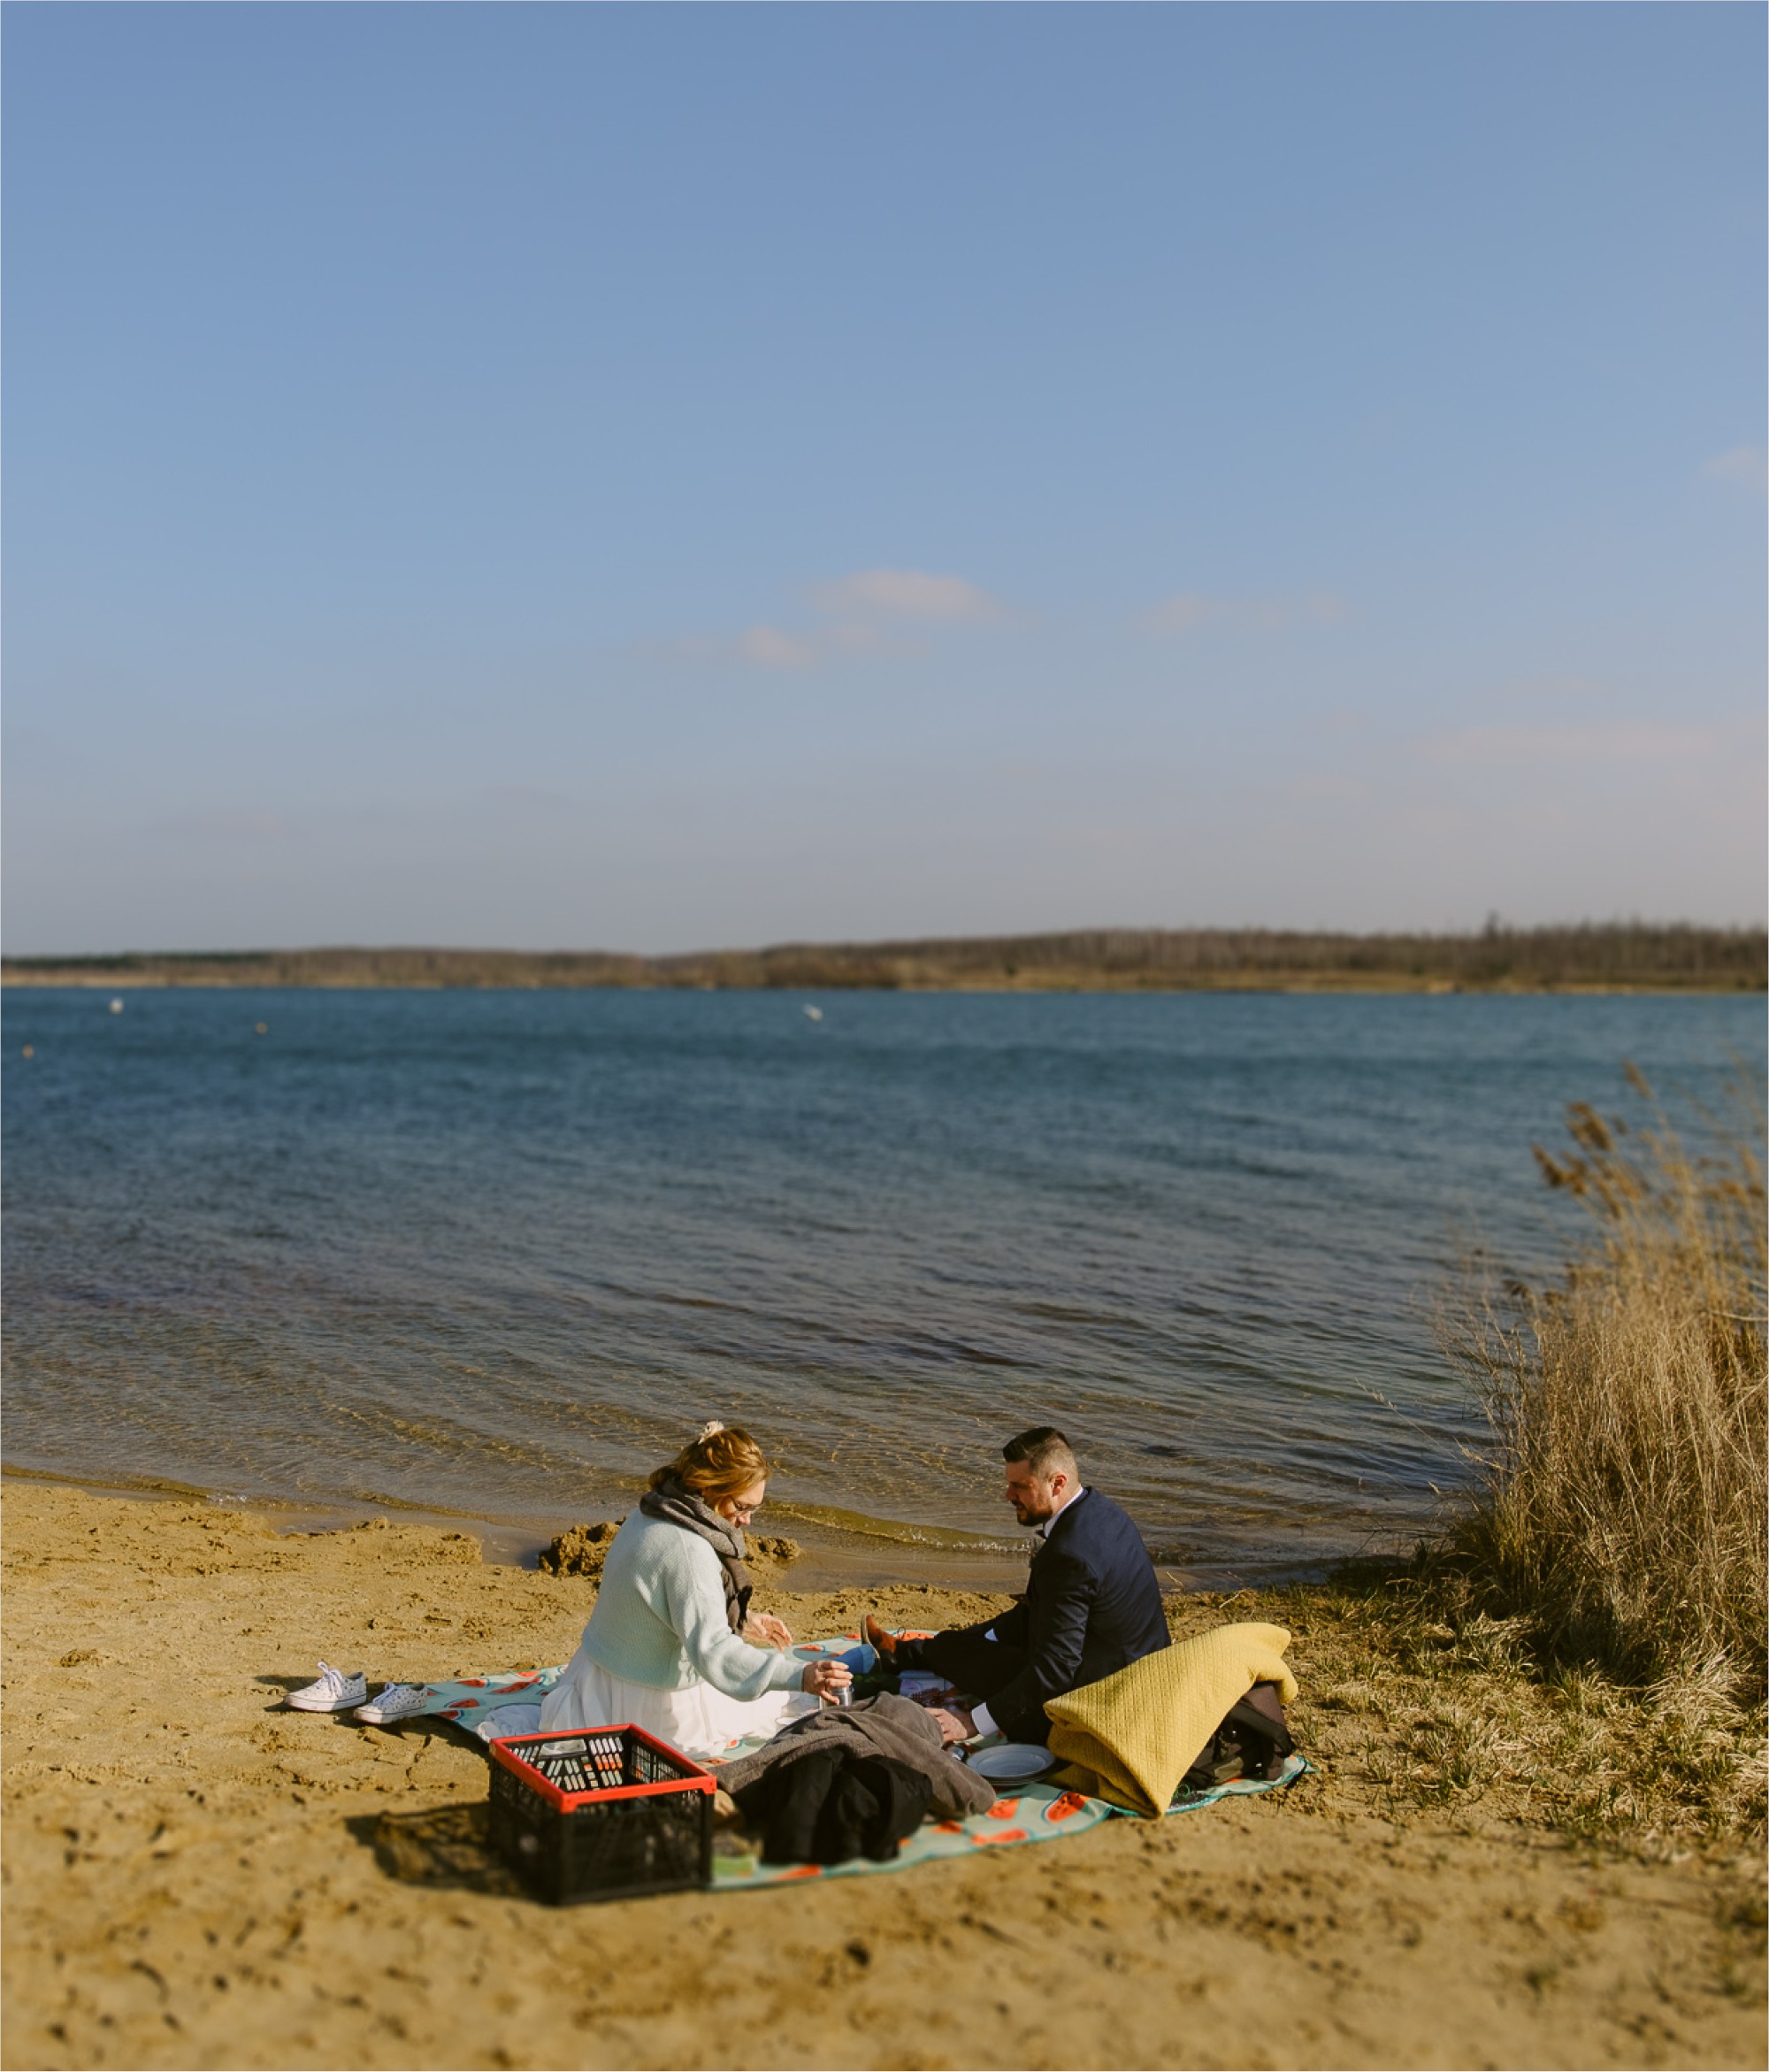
(193, 1877)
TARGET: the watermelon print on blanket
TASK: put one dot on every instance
(470, 1700)
(1040, 1813)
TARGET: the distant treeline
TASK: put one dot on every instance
(1619, 955)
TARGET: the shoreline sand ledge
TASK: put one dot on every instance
(193, 1878)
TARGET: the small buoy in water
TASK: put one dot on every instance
(814, 1014)
(263, 1028)
(30, 1050)
(116, 1007)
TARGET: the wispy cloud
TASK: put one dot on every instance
(1748, 466)
(905, 593)
(247, 825)
(1181, 614)
(1549, 690)
(762, 647)
(865, 613)
(1621, 741)
(1188, 609)
(768, 647)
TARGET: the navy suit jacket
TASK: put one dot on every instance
(1091, 1605)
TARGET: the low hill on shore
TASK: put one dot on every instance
(1607, 957)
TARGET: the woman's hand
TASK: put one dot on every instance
(764, 1630)
(825, 1678)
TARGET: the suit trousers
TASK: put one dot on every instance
(966, 1658)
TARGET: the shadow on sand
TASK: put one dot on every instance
(445, 1847)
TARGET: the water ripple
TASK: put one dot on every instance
(495, 1254)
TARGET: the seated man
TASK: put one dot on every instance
(1091, 1604)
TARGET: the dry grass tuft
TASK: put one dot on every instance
(1584, 1649)
(1622, 1509)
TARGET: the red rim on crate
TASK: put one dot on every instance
(601, 1813)
(588, 1758)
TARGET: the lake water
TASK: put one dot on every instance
(497, 1254)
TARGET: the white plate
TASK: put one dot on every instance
(1013, 1761)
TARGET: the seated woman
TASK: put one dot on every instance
(672, 1643)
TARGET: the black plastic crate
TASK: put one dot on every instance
(605, 1813)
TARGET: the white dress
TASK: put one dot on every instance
(697, 1719)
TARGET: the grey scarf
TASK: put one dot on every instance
(669, 1500)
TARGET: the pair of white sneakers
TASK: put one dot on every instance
(334, 1692)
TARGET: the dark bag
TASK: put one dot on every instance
(1252, 1741)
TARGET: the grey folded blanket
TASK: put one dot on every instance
(883, 1726)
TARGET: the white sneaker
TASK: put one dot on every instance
(398, 1702)
(333, 1693)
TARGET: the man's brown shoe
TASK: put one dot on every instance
(875, 1636)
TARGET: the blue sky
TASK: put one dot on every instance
(653, 477)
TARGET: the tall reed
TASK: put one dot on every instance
(1621, 1503)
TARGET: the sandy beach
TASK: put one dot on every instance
(194, 1877)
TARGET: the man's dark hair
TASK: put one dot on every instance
(1044, 1451)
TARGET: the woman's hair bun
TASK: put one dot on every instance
(723, 1461)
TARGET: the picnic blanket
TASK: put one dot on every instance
(1042, 1811)
(1132, 1737)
